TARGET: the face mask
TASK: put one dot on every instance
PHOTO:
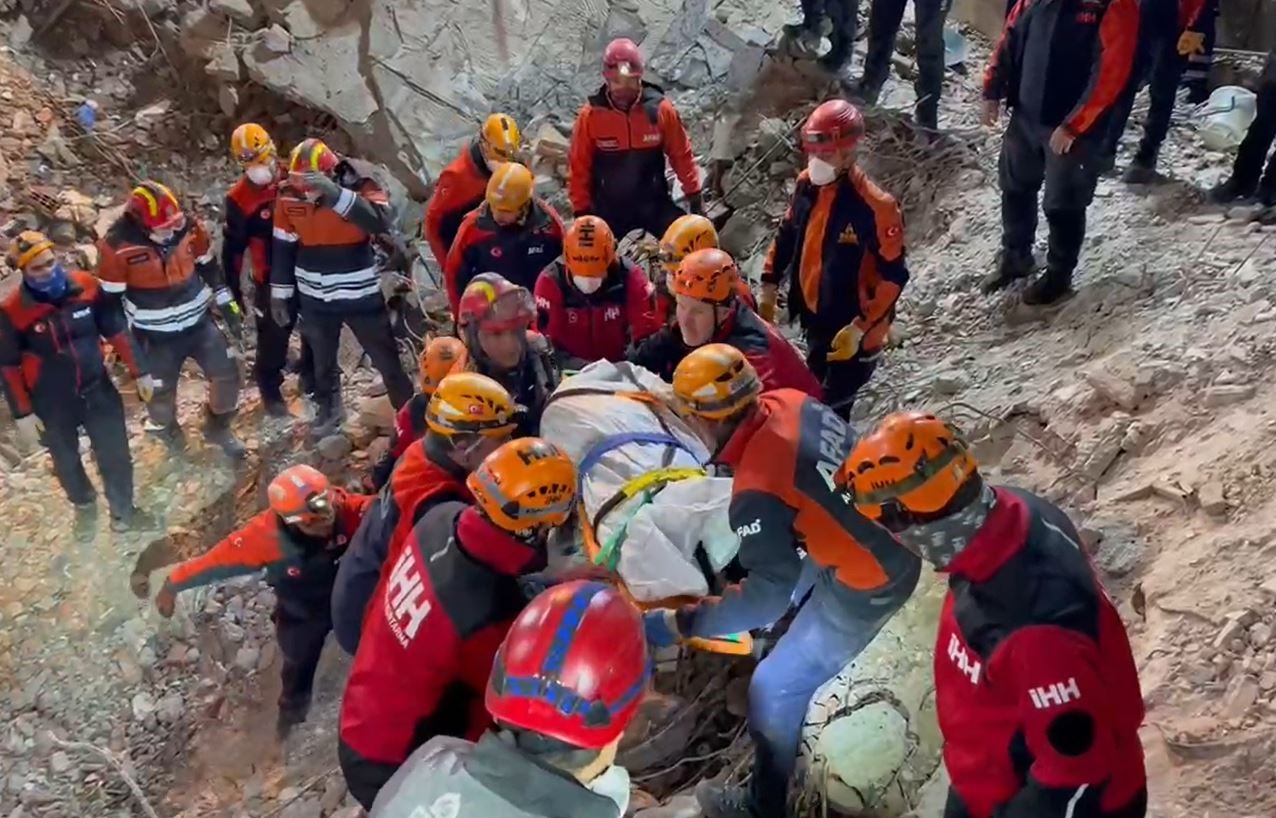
(940, 541)
(51, 287)
(821, 172)
(260, 174)
(588, 286)
(613, 784)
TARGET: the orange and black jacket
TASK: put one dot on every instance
(50, 351)
(517, 251)
(326, 254)
(166, 288)
(460, 188)
(1064, 62)
(783, 498)
(617, 157)
(301, 569)
(250, 223)
(841, 246)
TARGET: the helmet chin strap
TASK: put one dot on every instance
(940, 541)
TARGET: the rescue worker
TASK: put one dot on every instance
(250, 221)
(441, 356)
(162, 265)
(687, 234)
(1036, 689)
(835, 19)
(884, 20)
(592, 304)
(544, 760)
(493, 322)
(708, 310)
(512, 233)
(468, 417)
(461, 186)
(784, 449)
(1248, 177)
(326, 221)
(299, 541)
(55, 379)
(840, 247)
(1060, 69)
(622, 136)
(432, 632)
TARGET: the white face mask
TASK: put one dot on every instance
(613, 784)
(588, 286)
(260, 174)
(821, 172)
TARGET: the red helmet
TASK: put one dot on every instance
(313, 156)
(572, 667)
(155, 207)
(492, 304)
(832, 126)
(622, 58)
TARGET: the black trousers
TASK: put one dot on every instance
(272, 350)
(167, 351)
(1088, 806)
(842, 380)
(842, 14)
(1027, 162)
(100, 410)
(301, 640)
(654, 216)
(1258, 139)
(372, 329)
(884, 21)
(364, 778)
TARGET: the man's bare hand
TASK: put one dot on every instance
(990, 112)
(1061, 140)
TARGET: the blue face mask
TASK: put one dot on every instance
(50, 288)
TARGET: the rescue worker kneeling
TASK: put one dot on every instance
(513, 234)
(56, 381)
(434, 628)
(493, 321)
(686, 235)
(1036, 688)
(566, 682)
(784, 449)
(299, 541)
(440, 357)
(593, 304)
(469, 417)
(708, 310)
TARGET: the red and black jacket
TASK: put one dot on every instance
(51, 352)
(409, 427)
(431, 635)
(250, 222)
(601, 325)
(1035, 684)
(778, 364)
(460, 188)
(1064, 62)
(421, 479)
(518, 251)
(530, 384)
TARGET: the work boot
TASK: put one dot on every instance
(1140, 172)
(218, 432)
(1011, 266)
(1229, 190)
(135, 519)
(719, 801)
(272, 401)
(1050, 287)
(329, 416)
(85, 525)
(171, 435)
(287, 720)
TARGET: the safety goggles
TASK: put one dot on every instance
(511, 310)
(318, 507)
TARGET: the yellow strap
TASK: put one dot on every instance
(667, 475)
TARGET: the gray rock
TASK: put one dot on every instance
(1116, 546)
(143, 705)
(949, 383)
(334, 792)
(335, 447)
(232, 632)
(59, 762)
(1241, 695)
(246, 658)
(223, 63)
(1226, 395)
(235, 607)
(276, 40)
(170, 708)
(241, 11)
(680, 806)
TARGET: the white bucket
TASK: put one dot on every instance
(1227, 116)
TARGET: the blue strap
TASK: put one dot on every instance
(613, 442)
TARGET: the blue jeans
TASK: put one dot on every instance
(825, 636)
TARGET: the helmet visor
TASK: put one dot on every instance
(511, 310)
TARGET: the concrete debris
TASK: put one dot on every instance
(1116, 547)
(1212, 498)
(143, 705)
(377, 413)
(153, 114)
(59, 762)
(1118, 390)
(680, 806)
(1227, 395)
(1097, 453)
(1260, 633)
(223, 63)
(334, 447)
(241, 11)
(275, 40)
(949, 383)
(1241, 694)
(334, 792)
(304, 808)
(246, 658)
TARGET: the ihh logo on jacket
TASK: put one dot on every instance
(611, 313)
(405, 604)
(1055, 695)
(963, 661)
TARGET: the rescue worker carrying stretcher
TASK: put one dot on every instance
(55, 379)
(841, 248)
(784, 449)
(326, 221)
(448, 600)
(250, 222)
(567, 681)
(441, 356)
(708, 310)
(468, 417)
(619, 144)
(686, 235)
(512, 233)
(161, 263)
(592, 304)
(461, 185)
(493, 322)
(299, 541)
(1035, 685)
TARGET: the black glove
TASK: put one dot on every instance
(324, 186)
(281, 311)
(695, 204)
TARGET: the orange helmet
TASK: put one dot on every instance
(706, 275)
(467, 403)
(687, 234)
(509, 190)
(528, 483)
(499, 138)
(251, 145)
(912, 460)
(716, 381)
(313, 156)
(442, 355)
(155, 207)
(25, 247)
(589, 248)
(300, 495)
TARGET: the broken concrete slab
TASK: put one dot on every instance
(241, 11)
(224, 63)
